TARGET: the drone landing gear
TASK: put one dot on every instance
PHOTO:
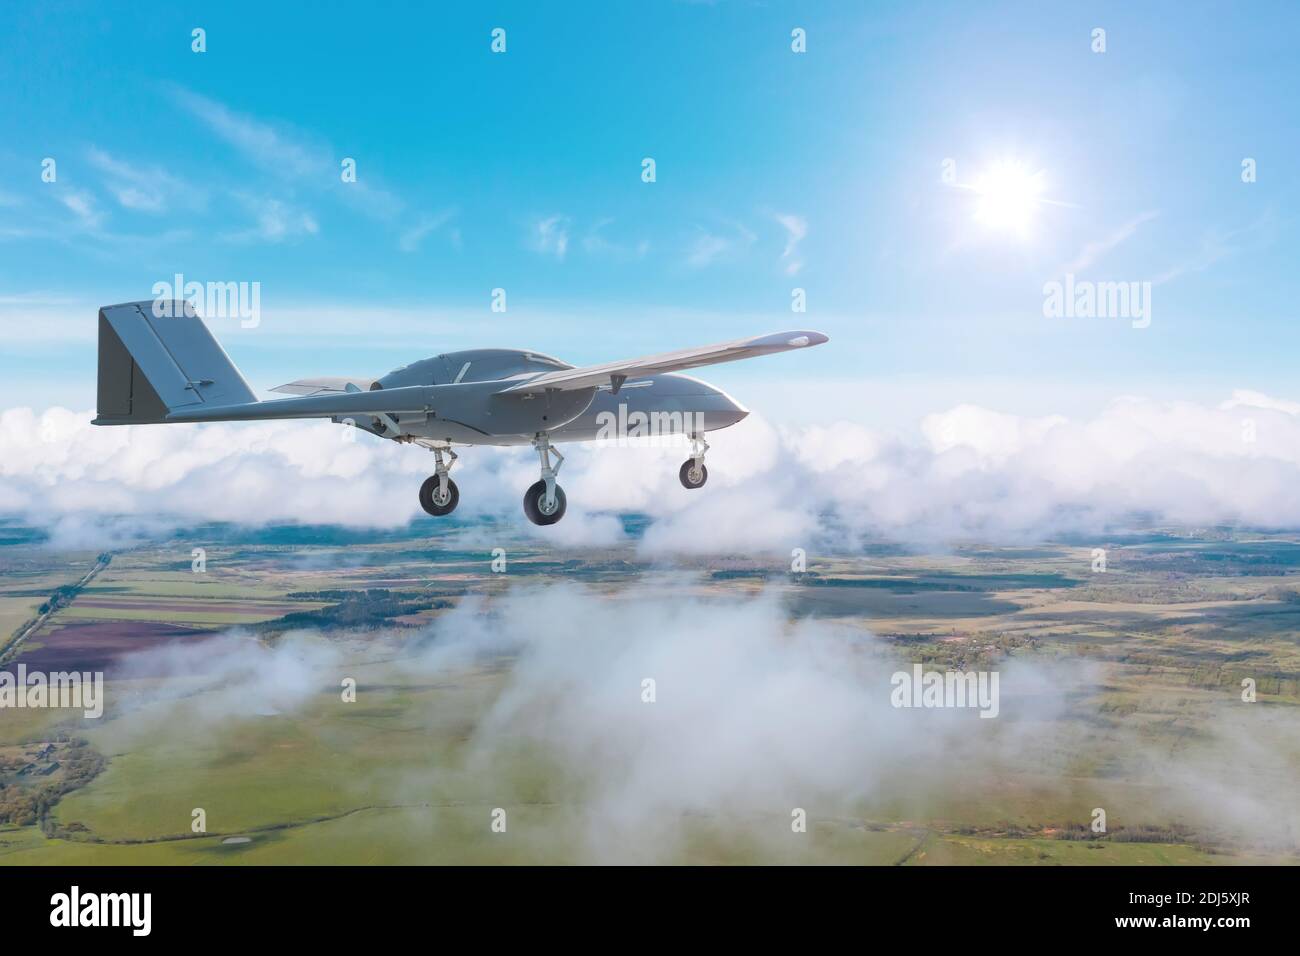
(544, 502)
(693, 474)
(439, 494)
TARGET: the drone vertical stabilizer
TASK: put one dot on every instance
(158, 357)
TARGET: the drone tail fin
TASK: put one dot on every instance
(157, 357)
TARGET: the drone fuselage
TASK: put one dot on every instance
(475, 413)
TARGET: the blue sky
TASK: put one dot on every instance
(775, 170)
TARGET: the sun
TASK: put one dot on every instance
(1008, 195)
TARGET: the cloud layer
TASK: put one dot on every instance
(972, 473)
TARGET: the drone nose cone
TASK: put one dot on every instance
(729, 412)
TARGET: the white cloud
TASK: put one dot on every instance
(977, 474)
(705, 249)
(595, 243)
(83, 206)
(1217, 244)
(796, 229)
(550, 236)
(144, 189)
(709, 247)
(751, 713)
(258, 141)
(97, 484)
(293, 157)
(755, 714)
(1242, 398)
(1098, 248)
(276, 220)
(410, 240)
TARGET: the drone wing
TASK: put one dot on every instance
(616, 373)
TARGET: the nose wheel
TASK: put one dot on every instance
(693, 474)
(439, 494)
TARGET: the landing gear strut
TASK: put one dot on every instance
(439, 494)
(544, 502)
(693, 474)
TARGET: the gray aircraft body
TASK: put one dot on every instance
(158, 363)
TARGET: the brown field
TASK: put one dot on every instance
(100, 645)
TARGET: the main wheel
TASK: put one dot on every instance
(535, 504)
(692, 476)
(433, 501)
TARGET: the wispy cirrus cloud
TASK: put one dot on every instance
(1212, 246)
(550, 236)
(258, 141)
(596, 243)
(708, 247)
(144, 188)
(1096, 249)
(275, 220)
(1217, 244)
(410, 240)
(308, 164)
(84, 206)
(796, 229)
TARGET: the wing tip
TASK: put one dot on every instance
(794, 339)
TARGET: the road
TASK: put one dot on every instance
(31, 627)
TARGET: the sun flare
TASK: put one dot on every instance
(1008, 195)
